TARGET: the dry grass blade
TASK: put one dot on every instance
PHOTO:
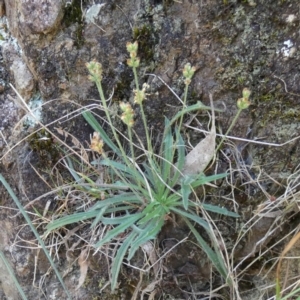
(198, 159)
(286, 249)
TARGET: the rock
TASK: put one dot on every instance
(2, 8)
(24, 82)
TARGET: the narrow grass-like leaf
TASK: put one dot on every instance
(41, 242)
(185, 192)
(186, 189)
(118, 259)
(116, 220)
(149, 174)
(148, 233)
(191, 216)
(121, 167)
(98, 217)
(117, 199)
(155, 170)
(219, 264)
(93, 212)
(12, 275)
(157, 211)
(289, 295)
(150, 207)
(70, 219)
(72, 171)
(204, 179)
(119, 209)
(119, 229)
(167, 153)
(180, 160)
(186, 110)
(220, 210)
(172, 199)
(97, 127)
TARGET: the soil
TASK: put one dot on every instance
(233, 44)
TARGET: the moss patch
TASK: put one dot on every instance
(73, 15)
(147, 40)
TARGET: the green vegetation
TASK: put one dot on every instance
(38, 237)
(143, 190)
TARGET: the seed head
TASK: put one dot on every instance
(97, 143)
(95, 70)
(127, 115)
(244, 102)
(188, 73)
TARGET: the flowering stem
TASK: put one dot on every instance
(184, 104)
(242, 103)
(131, 144)
(136, 80)
(149, 146)
(229, 129)
(106, 109)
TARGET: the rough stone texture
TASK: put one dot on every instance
(23, 79)
(251, 44)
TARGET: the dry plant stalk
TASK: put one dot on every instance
(286, 249)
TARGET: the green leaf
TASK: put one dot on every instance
(12, 275)
(116, 220)
(186, 189)
(149, 174)
(167, 153)
(118, 259)
(72, 171)
(156, 171)
(158, 211)
(204, 179)
(119, 229)
(38, 237)
(220, 210)
(146, 234)
(185, 192)
(94, 211)
(181, 158)
(186, 110)
(191, 216)
(98, 217)
(214, 258)
(97, 127)
(106, 210)
(124, 168)
(150, 207)
(123, 198)
(71, 219)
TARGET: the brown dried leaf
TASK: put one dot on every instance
(148, 247)
(198, 159)
(84, 265)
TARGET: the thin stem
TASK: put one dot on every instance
(132, 153)
(149, 145)
(229, 129)
(103, 100)
(136, 79)
(131, 144)
(184, 105)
